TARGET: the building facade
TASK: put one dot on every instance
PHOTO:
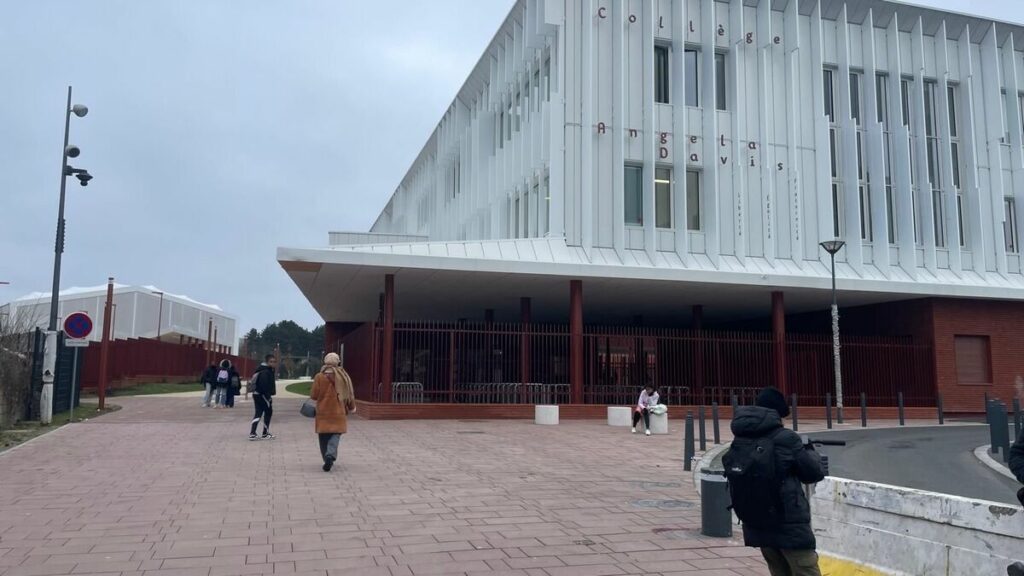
(684, 158)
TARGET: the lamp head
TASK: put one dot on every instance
(72, 151)
(83, 177)
(833, 246)
(80, 110)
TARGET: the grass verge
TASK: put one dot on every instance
(302, 388)
(156, 388)
(25, 431)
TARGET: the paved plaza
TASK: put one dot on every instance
(166, 488)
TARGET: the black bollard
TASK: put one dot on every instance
(828, 410)
(701, 431)
(715, 516)
(714, 423)
(938, 406)
(1003, 422)
(863, 410)
(1016, 418)
(688, 443)
(735, 405)
(899, 402)
(792, 412)
(993, 431)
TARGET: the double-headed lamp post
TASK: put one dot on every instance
(833, 246)
(50, 354)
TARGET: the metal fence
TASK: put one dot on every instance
(501, 363)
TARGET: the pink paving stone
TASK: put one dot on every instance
(407, 498)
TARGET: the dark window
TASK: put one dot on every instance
(634, 192)
(693, 200)
(692, 82)
(830, 109)
(661, 74)
(720, 96)
(663, 197)
(973, 360)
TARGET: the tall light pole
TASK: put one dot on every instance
(160, 314)
(833, 246)
(50, 353)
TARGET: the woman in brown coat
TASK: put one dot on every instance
(335, 400)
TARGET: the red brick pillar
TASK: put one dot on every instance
(387, 358)
(576, 341)
(779, 340)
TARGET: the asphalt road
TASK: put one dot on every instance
(937, 459)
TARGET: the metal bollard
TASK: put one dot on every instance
(715, 516)
(1016, 418)
(828, 409)
(701, 430)
(899, 401)
(993, 433)
(793, 414)
(1004, 432)
(863, 410)
(938, 406)
(688, 452)
(714, 423)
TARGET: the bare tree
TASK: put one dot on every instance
(17, 326)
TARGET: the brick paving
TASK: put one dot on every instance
(166, 488)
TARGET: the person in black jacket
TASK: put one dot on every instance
(264, 388)
(789, 547)
(208, 379)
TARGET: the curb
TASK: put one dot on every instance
(982, 453)
(39, 437)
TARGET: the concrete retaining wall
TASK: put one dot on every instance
(906, 531)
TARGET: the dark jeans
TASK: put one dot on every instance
(646, 416)
(229, 401)
(329, 446)
(791, 562)
(264, 409)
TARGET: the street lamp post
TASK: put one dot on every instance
(833, 246)
(50, 354)
(160, 314)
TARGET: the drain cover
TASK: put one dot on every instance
(664, 504)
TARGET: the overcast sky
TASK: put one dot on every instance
(219, 130)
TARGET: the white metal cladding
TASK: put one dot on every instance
(542, 138)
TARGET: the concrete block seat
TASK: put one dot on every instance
(546, 415)
(620, 416)
(659, 423)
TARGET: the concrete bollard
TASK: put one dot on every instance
(545, 415)
(828, 410)
(938, 406)
(620, 416)
(863, 410)
(793, 414)
(702, 435)
(714, 423)
(715, 516)
(688, 452)
(899, 402)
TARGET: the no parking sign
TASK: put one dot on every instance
(77, 327)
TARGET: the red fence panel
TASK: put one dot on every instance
(132, 361)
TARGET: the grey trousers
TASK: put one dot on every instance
(791, 562)
(329, 446)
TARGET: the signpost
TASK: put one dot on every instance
(77, 328)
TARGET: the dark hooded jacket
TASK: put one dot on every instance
(265, 383)
(797, 465)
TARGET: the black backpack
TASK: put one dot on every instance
(754, 485)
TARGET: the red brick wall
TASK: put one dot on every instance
(1003, 323)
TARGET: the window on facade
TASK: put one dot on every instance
(517, 217)
(536, 86)
(954, 152)
(694, 203)
(830, 108)
(456, 178)
(1020, 108)
(931, 132)
(720, 94)
(661, 74)
(526, 215)
(855, 97)
(865, 213)
(837, 208)
(973, 359)
(518, 113)
(634, 192)
(905, 101)
(1006, 118)
(882, 100)
(509, 114)
(501, 130)
(890, 212)
(882, 116)
(663, 197)
(544, 207)
(690, 60)
(547, 79)
(1010, 224)
(939, 218)
(960, 217)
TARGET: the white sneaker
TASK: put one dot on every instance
(648, 432)
(634, 430)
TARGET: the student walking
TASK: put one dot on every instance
(648, 399)
(221, 382)
(207, 380)
(264, 388)
(335, 400)
(766, 467)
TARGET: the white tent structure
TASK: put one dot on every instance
(138, 313)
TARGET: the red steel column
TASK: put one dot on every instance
(209, 341)
(387, 358)
(779, 339)
(524, 346)
(576, 341)
(101, 390)
(697, 325)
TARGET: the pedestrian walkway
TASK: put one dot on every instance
(166, 488)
